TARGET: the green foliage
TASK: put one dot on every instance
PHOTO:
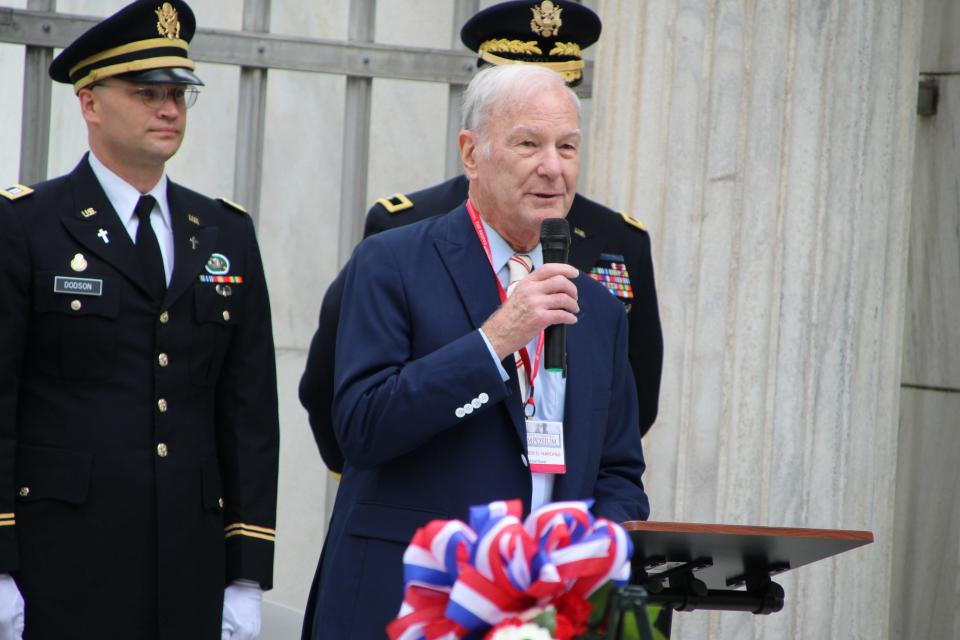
(623, 600)
(548, 620)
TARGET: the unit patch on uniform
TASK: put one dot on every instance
(218, 264)
(611, 272)
(78, 286)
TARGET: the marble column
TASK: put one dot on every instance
(768, 148)
(926, 569)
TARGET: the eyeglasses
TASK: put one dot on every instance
(155, 97)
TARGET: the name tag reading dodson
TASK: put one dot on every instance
(78, 286)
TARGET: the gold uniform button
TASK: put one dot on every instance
(226, 315)
(162, 405)
(220, 502)
(24, 492)
(75, 305)
(163, 360)
(162, 450)
(164, 317)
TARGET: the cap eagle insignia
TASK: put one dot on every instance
(546, 19)
(168, 22)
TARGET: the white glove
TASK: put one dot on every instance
(241, 611)
(11, 609)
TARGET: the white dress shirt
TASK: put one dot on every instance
(124, 197)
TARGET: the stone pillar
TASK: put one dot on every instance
(926, 567)
(768, 147)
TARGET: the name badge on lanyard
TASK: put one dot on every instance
(545, 446)
(529, 405)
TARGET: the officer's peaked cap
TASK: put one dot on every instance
(146, 41)
(551, 34)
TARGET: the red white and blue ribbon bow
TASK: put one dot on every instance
(459, 578)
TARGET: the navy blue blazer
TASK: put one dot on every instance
(408, 355)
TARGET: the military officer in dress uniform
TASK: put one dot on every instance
(612, 247)
(138, 409)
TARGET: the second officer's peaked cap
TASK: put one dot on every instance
(146, 41)
(550, 34)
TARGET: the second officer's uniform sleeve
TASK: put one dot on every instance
(316, 385)
(248, 432)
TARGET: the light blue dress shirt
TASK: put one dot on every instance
(549, 388)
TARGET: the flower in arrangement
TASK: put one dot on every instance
(499, 578)
(514, 629)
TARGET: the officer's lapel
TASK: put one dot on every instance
(93, 222)
(585, 247)
(469, 268)
(193, 242)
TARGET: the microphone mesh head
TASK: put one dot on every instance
(554, 228)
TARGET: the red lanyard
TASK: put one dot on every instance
(524, 355)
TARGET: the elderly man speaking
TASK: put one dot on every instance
(439, 387)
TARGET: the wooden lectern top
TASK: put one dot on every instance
(723, 556)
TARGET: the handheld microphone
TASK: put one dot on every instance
(555, 242)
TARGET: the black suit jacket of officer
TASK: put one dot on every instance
(598, 234)
(138, 440)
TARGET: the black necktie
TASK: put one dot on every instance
(149, 249)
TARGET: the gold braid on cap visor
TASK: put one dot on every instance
(570, 70)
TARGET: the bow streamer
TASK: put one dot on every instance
(459, 579)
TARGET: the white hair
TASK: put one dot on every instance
(506, 85)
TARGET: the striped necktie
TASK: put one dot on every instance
(520, 265)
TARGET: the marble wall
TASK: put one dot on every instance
(768, 148)
(926, 587)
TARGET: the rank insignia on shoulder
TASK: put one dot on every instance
(611, 272)
(633, 222)
(396, 203)
(16, 192)
(232, 205)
